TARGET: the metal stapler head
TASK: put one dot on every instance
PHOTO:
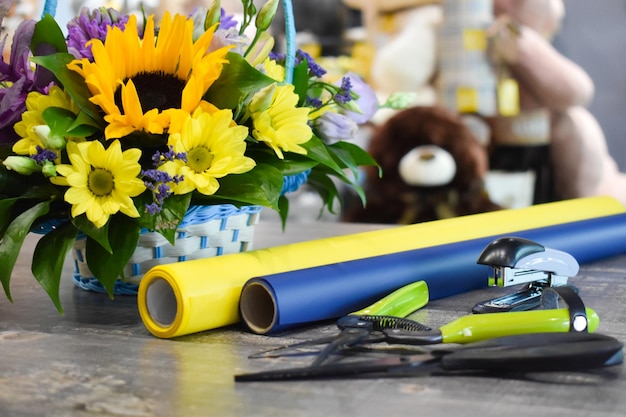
(515, 261)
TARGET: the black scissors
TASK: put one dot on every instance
(538, 352)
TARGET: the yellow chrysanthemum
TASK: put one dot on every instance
(214, 147)
(141, 84)
(102, 181)
(274, 70)
(32, 118)
(283, 126)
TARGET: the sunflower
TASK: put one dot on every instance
(102, 181)
(32, 118)
(214, 147)
(146, 84)
(283, 126)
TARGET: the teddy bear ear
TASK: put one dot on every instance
(427, 166)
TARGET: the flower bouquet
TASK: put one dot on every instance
(125, 123)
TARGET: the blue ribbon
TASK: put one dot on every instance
(290, 34)
(49, 7)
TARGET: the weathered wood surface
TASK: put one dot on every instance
(98, 359)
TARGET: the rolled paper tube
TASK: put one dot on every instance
(281, 301)
(193, 296)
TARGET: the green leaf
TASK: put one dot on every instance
(238, 79)
(301, 81)
(10, 208)
(83, 126)
(49, 257)
(6, 207)
(98, 234)
(58, 120)
(317, 151)
(48, 32)
(260, 186)
(108, 267)
(326, 188)
(73, 83)
(283, 210)
(165, 222)
(353, 156)
(14, 185)
(292, 163)
(13, 240)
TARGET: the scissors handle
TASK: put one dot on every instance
(539, 352)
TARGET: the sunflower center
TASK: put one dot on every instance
(199, 159)
(156, 90)
(100, 182)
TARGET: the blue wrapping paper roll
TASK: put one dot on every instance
(289, 299)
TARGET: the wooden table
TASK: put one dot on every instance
(99, 360)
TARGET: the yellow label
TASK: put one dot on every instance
(474, 40)
(466, 100)
(508, 97)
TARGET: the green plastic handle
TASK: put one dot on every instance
(399, 303)
(476, 327)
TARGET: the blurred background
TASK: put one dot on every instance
(440, 51)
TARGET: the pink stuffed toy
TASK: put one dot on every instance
(580, 159)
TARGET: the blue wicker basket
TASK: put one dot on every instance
(205, 231)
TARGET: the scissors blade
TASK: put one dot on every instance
(347, 338)
(373, 368)
(540, 352)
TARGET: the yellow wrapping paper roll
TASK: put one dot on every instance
(193, 296)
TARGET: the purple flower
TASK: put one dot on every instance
(227, 21)
(333, 127)
(344, 94)
(315, 70)
(169, 155)
(157, 181)
(366, 101)
(227, 37)
(44, 155)
(314, 102)
(91, 25)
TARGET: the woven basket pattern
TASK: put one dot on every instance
(205, 231)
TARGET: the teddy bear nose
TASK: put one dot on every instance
(427, 166)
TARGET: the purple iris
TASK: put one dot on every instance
(91, 25)
(17, 79)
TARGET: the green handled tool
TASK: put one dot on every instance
(477, 327)
(399, 303)
(361, 327)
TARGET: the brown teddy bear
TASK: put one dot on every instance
(432, 168)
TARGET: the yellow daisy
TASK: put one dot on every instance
(141, 84)
(32, 118)
(102, 181)
(214, 147)
(283, 126)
